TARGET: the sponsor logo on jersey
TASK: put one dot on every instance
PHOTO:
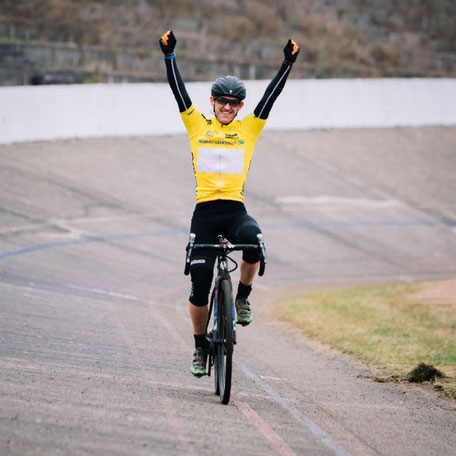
(229, 142)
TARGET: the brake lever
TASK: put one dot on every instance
(189, 248)
(263, 260)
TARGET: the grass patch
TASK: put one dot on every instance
(395, 327)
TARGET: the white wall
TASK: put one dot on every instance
(77, 111)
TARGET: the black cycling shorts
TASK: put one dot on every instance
(210, 219)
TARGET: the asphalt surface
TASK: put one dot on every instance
(95, 337)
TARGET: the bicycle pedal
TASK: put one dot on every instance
(199, 375)
(243, 323)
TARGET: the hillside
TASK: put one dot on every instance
(89, 41)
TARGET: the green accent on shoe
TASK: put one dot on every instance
(198, 366)
(197, 372)
(244, 314)
(244, 321)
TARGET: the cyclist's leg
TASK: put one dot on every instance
(198, 309)
(245, 231)
(199, 296)
(248, 272)
(201, 271)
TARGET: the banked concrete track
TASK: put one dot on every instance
(94, 331)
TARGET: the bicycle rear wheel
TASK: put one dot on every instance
(223, 361)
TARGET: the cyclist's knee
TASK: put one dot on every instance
(249, 236)
(251, 256)
(201, 285)
(247, 231)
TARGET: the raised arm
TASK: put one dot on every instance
(291, 51)
(167, 44)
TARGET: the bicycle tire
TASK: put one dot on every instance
(224, 348)
(214, 343)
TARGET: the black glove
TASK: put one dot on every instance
(168, 43)
(291, 51)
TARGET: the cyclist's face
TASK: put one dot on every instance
(224, 110)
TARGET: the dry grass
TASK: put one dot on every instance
(394, 327)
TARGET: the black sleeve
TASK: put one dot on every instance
(272, 91)
(177, 84)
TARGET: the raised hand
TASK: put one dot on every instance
(168, 42)
(291, 51)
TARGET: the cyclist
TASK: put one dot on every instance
(222, 149)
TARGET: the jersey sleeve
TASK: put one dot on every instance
(177, 83)
(193, 119)
(273, 91)
(253, 125)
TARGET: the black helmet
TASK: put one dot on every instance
(228, 85)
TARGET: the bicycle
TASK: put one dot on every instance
(222, 338)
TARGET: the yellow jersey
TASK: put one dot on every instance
(221, 154)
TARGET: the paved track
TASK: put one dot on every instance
(95, 335)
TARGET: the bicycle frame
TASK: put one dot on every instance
(223, 249)
(223, 336)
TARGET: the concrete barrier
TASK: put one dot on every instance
(30, 113)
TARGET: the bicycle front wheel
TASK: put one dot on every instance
(223, 361)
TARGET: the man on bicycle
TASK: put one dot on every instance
(222, 149)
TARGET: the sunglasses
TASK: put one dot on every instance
(223, 101)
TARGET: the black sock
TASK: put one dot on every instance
(201, 341)
(243, 290)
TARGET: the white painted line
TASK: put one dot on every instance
(325, 438)
(275, 379)
(17, 229)
(327, 200)
(31, 286)
(70, 232)
(63, 223)
(112, 294)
